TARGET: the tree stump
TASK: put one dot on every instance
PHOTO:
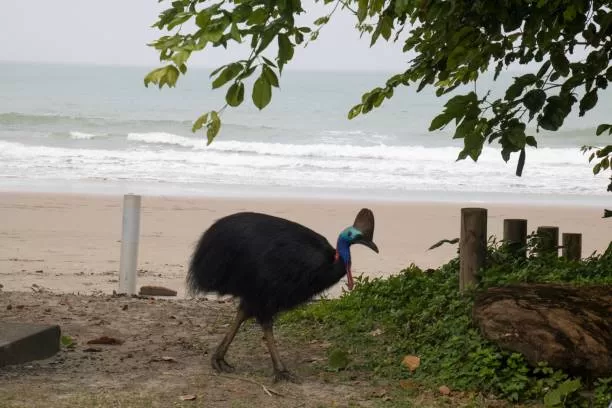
(568, 327)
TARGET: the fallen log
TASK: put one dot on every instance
(566, 326)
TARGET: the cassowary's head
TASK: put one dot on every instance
(361, 232)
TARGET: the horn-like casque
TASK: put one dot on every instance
(364, 222)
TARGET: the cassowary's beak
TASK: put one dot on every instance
(366, 242)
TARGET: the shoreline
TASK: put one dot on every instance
(259, 193)
(70, 242)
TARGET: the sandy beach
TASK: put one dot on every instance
(71, 243)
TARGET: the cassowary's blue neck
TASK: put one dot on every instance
(344, 250)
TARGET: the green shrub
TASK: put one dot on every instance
(422, 313)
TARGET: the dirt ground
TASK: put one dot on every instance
(164, 355)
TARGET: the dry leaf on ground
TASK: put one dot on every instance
(411, 362)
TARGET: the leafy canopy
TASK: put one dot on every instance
(568, 43)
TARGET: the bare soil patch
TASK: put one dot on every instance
(164, 354)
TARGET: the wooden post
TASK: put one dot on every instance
(572, 246)
(472, 245)
(515, 236)
(548, 240)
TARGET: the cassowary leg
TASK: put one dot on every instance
(218, 358)
(280, 371)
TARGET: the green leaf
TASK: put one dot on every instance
(597, 168)
(560, 63)
(217, 70)
(440, 121)
(235, 94)
(543, 69)
(258, 17)
(67, 341)
(199, 122)
(167, 75)
(321, 20)
(229, 73)
(235, 33)
(605, 151)
(557, 396)
(362, 10)
(602, 128)
(241, 13)
(355, 111)
(179, 19)
(285, 50)
(531, 141)
(213, 127)
(180, 57)
(154, 76)
(203, 18)
(262, 92)
(247, 73)
(270, 76)
(534, 100)
(570, 13)
(465, 129)
(267, 37)
(462, 155)
(516, 89)
(268, 62)
(588, 101)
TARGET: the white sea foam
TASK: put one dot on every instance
(165, 139)
(391, 168)
(553, 156)
(81, 135)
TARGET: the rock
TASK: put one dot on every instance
(444, 390)
(567, 327)
(156, 291)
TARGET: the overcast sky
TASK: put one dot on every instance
(116, 32)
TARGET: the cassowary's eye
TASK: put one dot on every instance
(350, 234)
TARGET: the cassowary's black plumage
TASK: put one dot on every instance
(272, 265)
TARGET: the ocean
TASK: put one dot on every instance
(97, 129)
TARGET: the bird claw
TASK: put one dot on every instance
(286, 376)
(220, 365)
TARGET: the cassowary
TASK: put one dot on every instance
(271, 264)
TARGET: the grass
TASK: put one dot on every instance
(422, 313)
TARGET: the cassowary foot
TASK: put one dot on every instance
(221, 366)
(286, 376)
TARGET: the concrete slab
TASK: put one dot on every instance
(23, 342)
